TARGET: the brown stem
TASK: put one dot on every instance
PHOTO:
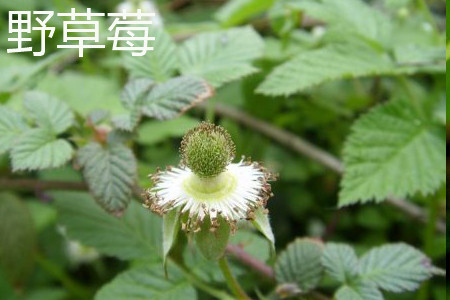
(34, 184)
(261, 268)
(303, 147)
(246, 259)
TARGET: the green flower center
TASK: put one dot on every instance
(215, 188)
(207, 150)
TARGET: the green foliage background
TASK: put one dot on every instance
(363, 80)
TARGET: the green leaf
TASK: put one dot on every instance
(137, 234)
(39, 149)
(11, 126)
(222, 56)
(172, 98)
(262, 223)
(392, 152)
(48, 111)
(340, 262)
(335, 62)
(43, 214)
(359, 291)
(159, 64)
(439, 112)
(235, 12)
(171, 226)
(135, 92)
(301, 264)
(417, 54)
(212, 244)
(133, 96)
(147, 283)
(110, 172)
(315, 67)
(348, 17)
(17, 239)
(396, 267)
(153, 132)
(82, 92)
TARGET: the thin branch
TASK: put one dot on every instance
(239, 253)
(34, 184)
(324, 158)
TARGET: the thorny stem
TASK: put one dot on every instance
(231, 281)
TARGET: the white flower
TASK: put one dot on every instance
(232, 191)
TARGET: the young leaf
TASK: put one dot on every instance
(48, 111)
(137, 234)
(147, 283)
(221, 57)
(17, 239)
(171, 226)
(212, 244)
(39, 149)
(234, 12)
(395, 268)
(301, 264)
(11, 126)
(262, 223)
(135, 91)
(172, 98)
(359, 291)
(340, 262)
(392, 151)
(159, 64)
(133, 96)
(110, 172)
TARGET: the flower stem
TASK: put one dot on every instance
(231, 281)
(192, 278)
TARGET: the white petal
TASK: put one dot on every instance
(238, 191)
